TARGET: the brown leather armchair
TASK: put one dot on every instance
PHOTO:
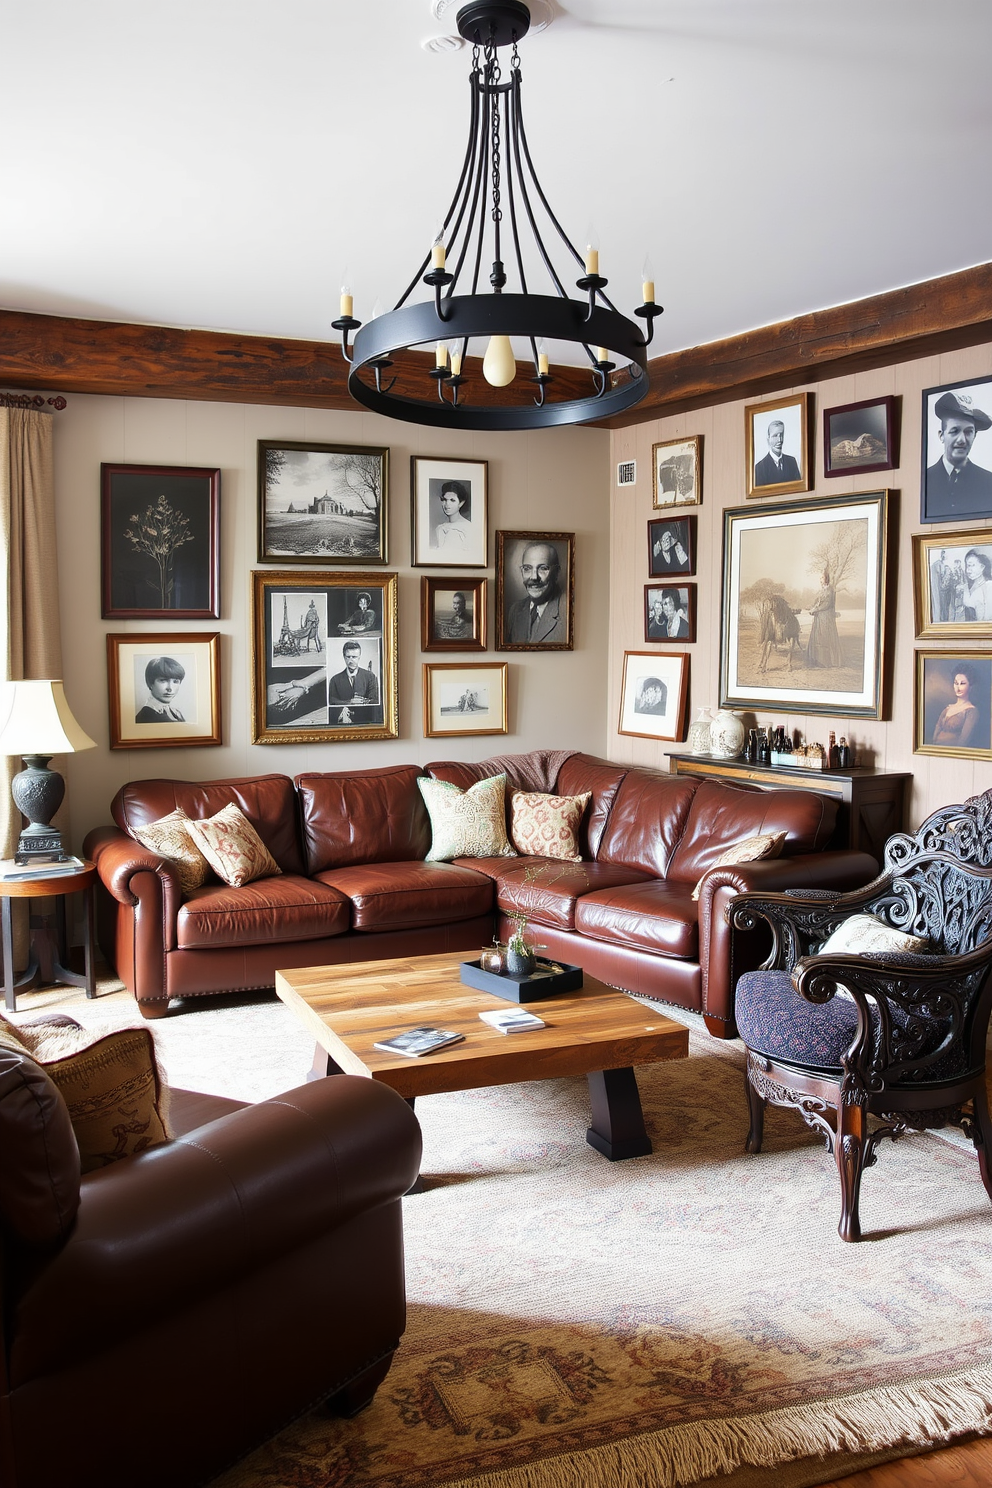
(165, 1314)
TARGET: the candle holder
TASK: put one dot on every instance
(649, 311)
(345, 324)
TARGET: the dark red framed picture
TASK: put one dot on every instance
(670, 612)
(861, 437)
(159, 542)
(671, 546)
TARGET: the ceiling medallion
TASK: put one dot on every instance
(498, 194)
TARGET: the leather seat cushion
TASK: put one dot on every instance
(402, 896)
(547, 890)
(658, 917)
(286, 908)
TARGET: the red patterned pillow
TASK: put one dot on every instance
(233, 848)
(547, 826)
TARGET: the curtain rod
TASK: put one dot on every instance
(26, 400)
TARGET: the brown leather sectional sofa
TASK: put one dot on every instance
(355, 886)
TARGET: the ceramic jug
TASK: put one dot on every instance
(698, 738)
(726, 734)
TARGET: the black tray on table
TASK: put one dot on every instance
(531, 988)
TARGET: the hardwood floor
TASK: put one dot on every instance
(968, 1465)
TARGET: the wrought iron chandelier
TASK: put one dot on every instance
(497, 192)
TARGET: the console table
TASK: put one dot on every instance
(870, 802)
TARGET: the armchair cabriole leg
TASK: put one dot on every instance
(756, 1106)
(849, 1150)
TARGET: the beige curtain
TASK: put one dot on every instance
(29, 611)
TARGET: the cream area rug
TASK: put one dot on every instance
(687, 1316)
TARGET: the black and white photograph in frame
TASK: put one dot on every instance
(953, 584)
(164, 689)
(464, 698)
(671, 546)
(321, 503)
(860, 437)
(678, 472)
(535, 580)
(453, 613)
(160, 542)
(957, 451)
(777, 435)
(449, 512)
(653, 694)
(669, 612)
(324, 657)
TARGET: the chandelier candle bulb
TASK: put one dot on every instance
(437, 256)
(602, 354)
(456, 364)
(347, 305)
(498, 365)
(543, 365)
(441, 354)
(592, 260)
(647, 290)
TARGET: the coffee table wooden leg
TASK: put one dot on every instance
(617, 1129)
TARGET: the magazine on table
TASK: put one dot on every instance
(417, 1041)
(513, 1020)
(9, 869)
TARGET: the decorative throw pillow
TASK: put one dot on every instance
(866, 932)
(766, 845)
(110, 1083)
(547, 826)
(466, 823)
(233, 848)
(170, 837)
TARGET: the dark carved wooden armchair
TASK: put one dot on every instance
(877, 1044)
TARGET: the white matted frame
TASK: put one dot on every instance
(449, 501)
(462, 699)
(653, 694)
(156, 676)
(792, 418)
(952, 584)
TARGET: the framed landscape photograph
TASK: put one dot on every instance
(952, 584)
(323, 657)
(678, 472)
(159, 542)
(321, 503)
(164, 689)
(449, 513)
(669, 612)
(535, 581)
(778, 439)
(464, 698)
(804, 615)
(453, 614)
(956, 479)
(653, 694)
(860, 437)
(953, 704)
(671, 546)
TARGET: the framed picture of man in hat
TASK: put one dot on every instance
(957, 451)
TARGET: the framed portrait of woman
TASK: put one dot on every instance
(952, 585)
(450, 513)
(953, 704)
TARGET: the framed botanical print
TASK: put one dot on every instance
(860, 437)
(671, 546)
(453, 613)
(804, 615)
(324, 657)
(677, 467)
(464, 698)
(956, 478)
(535, 580)
(164, 689)
(321, 503)
(653, 694)
(160, 542)
(952, 584)
(450, 513)
(953, 704)
(778, 439)
(669, 612)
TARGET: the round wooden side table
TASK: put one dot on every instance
(57, 886)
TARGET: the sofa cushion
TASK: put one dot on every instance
(268, 801)
(721, 815)
(654, 916)
(544, 890)
(466, 822)
(547, 826)
(363, 816)
(233, 848)
(39, 1174)
(603, 779)
(171, 838)
(648, 818)
(286, 908)
(403, 896)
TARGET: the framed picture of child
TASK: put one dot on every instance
(164, 689)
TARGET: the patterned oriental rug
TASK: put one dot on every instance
(658, 1322)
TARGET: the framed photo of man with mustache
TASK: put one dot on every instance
(535, 578)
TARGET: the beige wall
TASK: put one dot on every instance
(555, 480)
(887, 743)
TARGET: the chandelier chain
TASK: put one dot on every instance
(493, 75)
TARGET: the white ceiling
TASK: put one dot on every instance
(224, 163)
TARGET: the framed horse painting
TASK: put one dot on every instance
(324, 657)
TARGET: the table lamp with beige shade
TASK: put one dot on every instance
(39, 724)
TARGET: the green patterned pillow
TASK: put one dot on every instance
(469, 823)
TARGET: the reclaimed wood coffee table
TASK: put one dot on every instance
(596, 1032)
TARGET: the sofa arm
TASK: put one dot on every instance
(725, 954)
(118, 858)
(161, 1230)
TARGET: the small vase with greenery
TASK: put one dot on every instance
(520, 957)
